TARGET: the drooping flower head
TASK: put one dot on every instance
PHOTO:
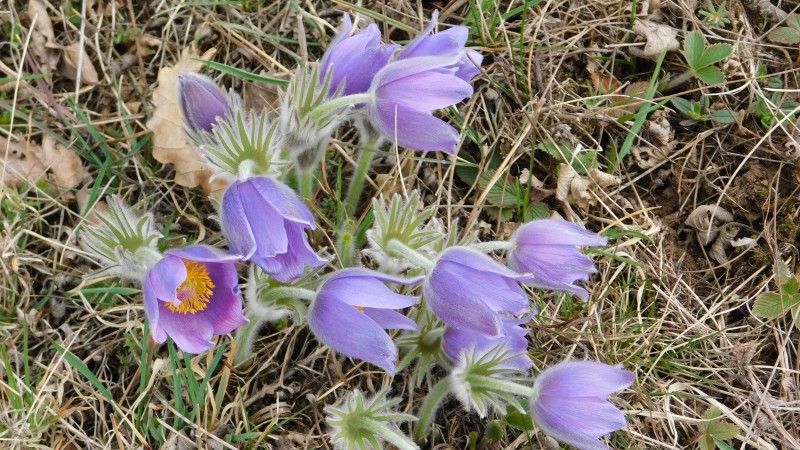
(265, 220)
(405, 94)
(352, 309)
(468, 291)
(571, 402)
(446, 43)
(354, 59)
(191, 295)
(202, 102)
(548, 250)
(459, 342)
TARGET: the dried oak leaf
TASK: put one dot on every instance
(170, 142)
(658, 38)
(29, 162)
(69, 64)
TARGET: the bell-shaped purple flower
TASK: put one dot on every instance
(514, 338)
(468, 290)
(191, 295)
(571, 403)
(264, 220)
(352, 309)
(202, 101)
(405, 94)
(446, 43)
(548, 250)
(354, 60)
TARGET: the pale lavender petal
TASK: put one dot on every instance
(583, 379)
(390, 320)
(469, 65)
(361, 287)
(351, 332)
(204, 253)
(474, 259)
(343, 33)
(444, 43)
(284, 200)
(452, 301)
(151, 310)
(556, 232)
(266, 223)
(166, 276)
(559, 263)
(192, 333)
(224, 309)
(497, 292)
(577, 421)
(234, 222)
(397, 70)
(414, 129)
(514, 338)
(425, 91)
(289, 266)
(411, 48)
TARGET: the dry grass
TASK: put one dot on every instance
(660, 305)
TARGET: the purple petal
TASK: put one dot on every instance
(577, 421)
(400, 69)
(497, 292)
(352, 333)
(361, 287)
(444, 43)
(267, 224)
(284, 200)
(474, 259)
(204, 253)
(289, 266)
(202, 101)
(559, 263)
(224, 309)
(414, 129)
(583, 379)
(514, 338)
(469, 65)
(234, 222)
(151, 310)
(166, 276)
(556, 232)
(453, 303)
(426, 91)
(192, 333)
(390, 320)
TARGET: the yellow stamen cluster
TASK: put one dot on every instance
(195, 291)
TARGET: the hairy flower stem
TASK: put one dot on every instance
(305, 184)
(427, 412)
(491, 246)
(409, 254)
(498, 385)
(398, 440)
(148, 256)
(357, 181)
(280, 292)
(349, 100)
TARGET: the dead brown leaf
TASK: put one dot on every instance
(170, 143)
(43, 39)
(658, 38)
(29, 162)
(69, 64)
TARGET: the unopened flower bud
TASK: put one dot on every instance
(202, 101)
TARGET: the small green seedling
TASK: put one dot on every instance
(774, 109)
(787, 35)
(716, 17)
(699, 111)
(714, 432)
(773, 305)
(701, 59)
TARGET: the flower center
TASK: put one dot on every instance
(195, 291)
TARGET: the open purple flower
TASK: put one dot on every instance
(352, 309)
(191, 295)
(446, 43)
(264, 220)
(548, 249)
(405, 94)
(202, 101)
(354, 60)
(571, 403)
(468, 290)
(457, 341)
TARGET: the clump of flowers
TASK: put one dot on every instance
(470, 315)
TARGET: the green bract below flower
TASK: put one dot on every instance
(365, 423)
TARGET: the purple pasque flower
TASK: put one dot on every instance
(191, 295)
(405, 94)
(355, 59)
(264, 220)
(547, 249)
(352, 309)
(468, 290)
(202, 101)
(571, 403)
(456, 342)
(447, 43)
